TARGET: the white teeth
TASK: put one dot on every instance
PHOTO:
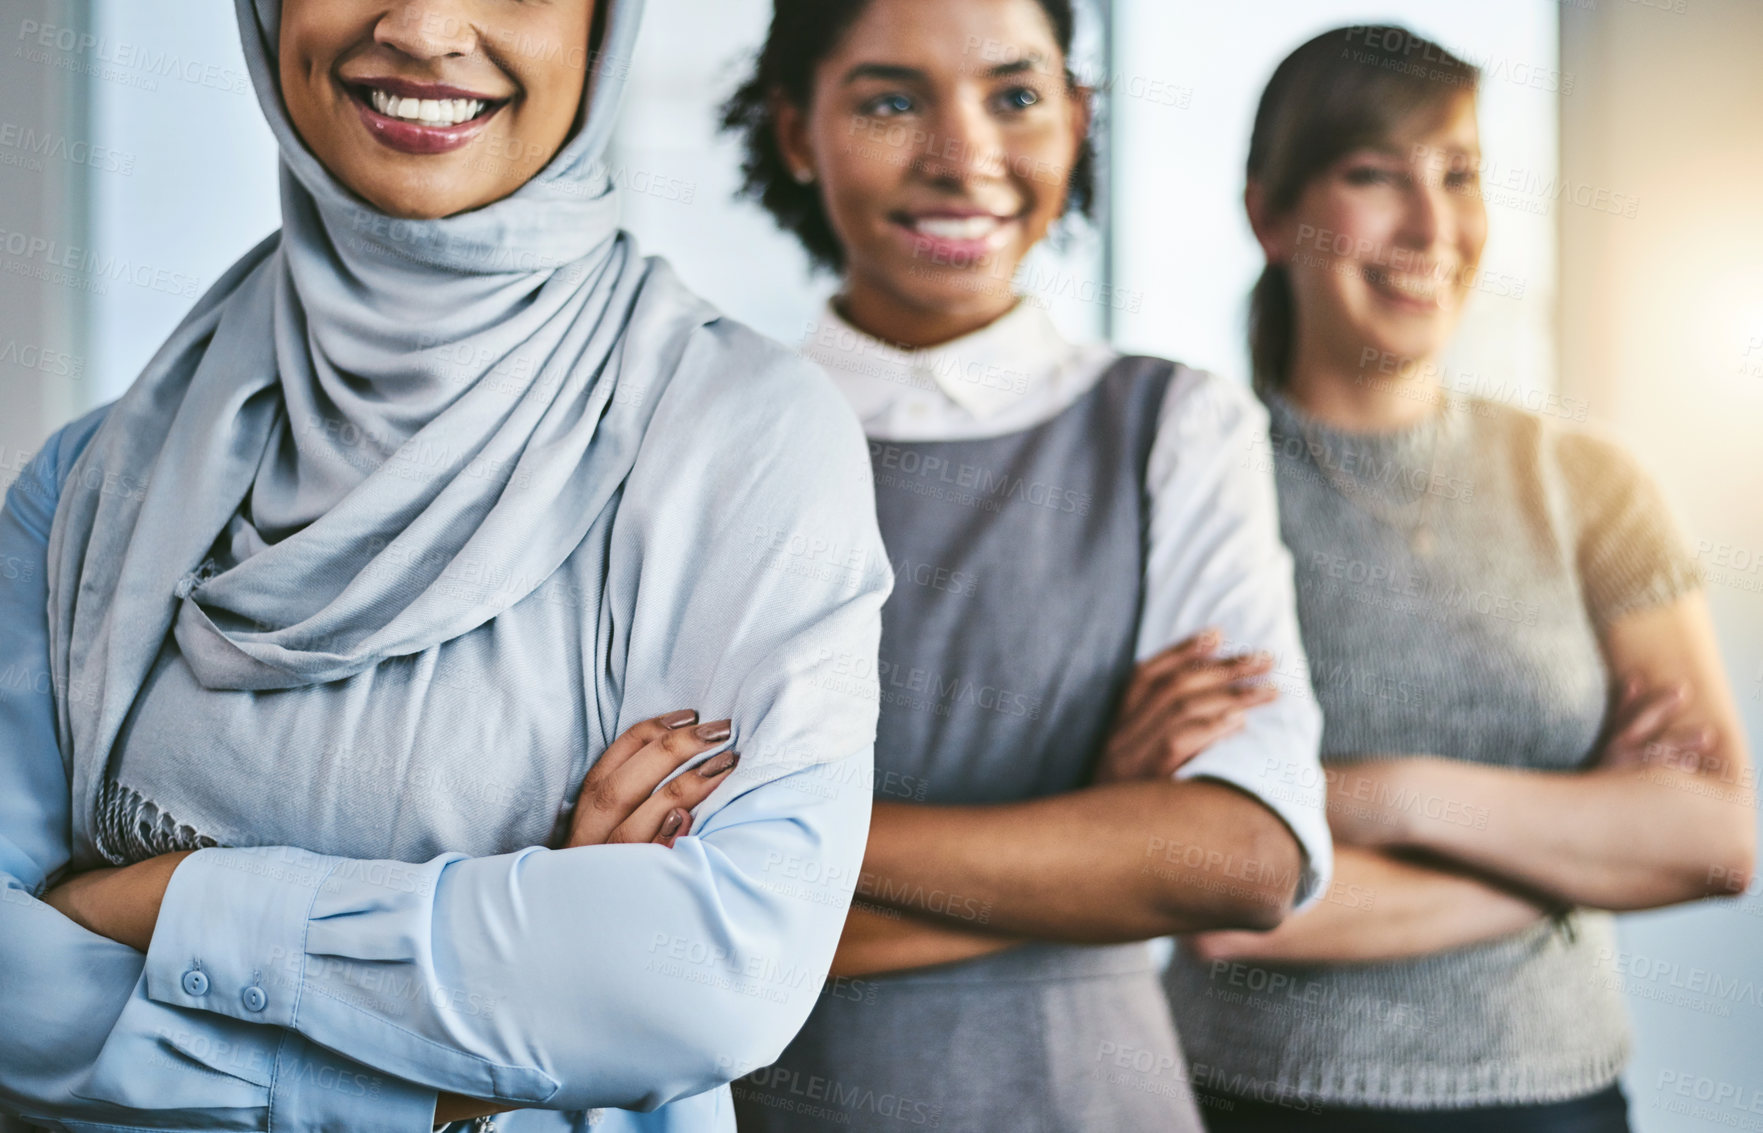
(428, 111)
(1422, 287)
(952, 228)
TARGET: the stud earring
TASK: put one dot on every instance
(804, 176)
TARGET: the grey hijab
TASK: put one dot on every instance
(359, 412)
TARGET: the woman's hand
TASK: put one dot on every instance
(619, 802)
(1645, 731)
(1382, 803)
(1178, 704)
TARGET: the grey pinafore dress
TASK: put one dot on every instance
(1010, 635)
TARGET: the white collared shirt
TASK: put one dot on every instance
(1215, 557)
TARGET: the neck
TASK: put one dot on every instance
(1352, 398)
(890, 319)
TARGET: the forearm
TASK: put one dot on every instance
(122, 903)
(81, 1044)
(1124, 861)
(84, 1045)
(878, 939)
(496, 978)
(1381, 908)
(1624, 839)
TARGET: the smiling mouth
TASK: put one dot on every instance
(957, 228)
(1425, 288)
(421, 118)
(438, 112)
(962, 234)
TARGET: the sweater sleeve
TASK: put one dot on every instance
(620, 976)
(82, 1045)
(1631, 556)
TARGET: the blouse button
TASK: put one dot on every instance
(195, 982)
(254, 999)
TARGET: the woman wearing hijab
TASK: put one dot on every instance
(1527, 723)
(436, 494)
(1065, 524)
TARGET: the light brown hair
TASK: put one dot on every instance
(1347, 88)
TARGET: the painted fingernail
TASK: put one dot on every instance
(715, 731)
(670, 824)
(680, 719)
(724, 762)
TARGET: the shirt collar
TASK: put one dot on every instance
(985, 372)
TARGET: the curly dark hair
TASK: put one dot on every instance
(804, 32)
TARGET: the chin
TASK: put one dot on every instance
(415, 202)
(1406, 336)
(1410, 346)
(949, 291)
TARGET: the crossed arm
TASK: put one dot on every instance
(405, 981)
(948, 883)
(1665, 816)
(631, 795)
(1093, 865)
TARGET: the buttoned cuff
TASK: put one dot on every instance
(321, 1091)
(231, 933)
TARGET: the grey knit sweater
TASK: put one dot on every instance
(1452, 582)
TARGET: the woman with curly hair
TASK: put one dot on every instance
(1068, 764)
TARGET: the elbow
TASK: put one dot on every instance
(1732, 873)
(690, 1052)
(761, 997)
(1268, 915)
(1274, 867)
(1727, 863)
(1262, 908)
(729, 1044)
(1249, 885)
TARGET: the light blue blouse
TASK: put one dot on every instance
(613, 986)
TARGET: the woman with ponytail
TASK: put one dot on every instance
(1526, 721)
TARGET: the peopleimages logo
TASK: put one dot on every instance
(35, 36)
(899, 465)
(791, 1090)
(54, 363)
(96, 266)
(41, 144)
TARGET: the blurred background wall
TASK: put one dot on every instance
(1624, 140)
(43, 368)
(1661, 331)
